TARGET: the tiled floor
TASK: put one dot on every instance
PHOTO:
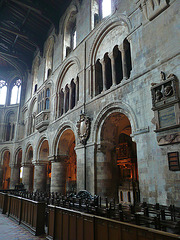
(10, 230)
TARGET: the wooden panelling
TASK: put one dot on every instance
(3, 202)
(73, 225)
(58, 224)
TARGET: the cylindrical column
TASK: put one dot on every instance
(65, 93)
(104, 74)
(124, 63)
(58, 174)
(93, 90)
(15, 176)
(111, 56)
(27, 177)
(70, 96)
(40, 172)
(1, 176)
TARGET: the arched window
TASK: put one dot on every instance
(70, 32)
(47, 98)
(3, 92)
(98, 78)
(106, 8)
(49, 57)
(16, 92)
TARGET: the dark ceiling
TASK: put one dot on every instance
(24, 27)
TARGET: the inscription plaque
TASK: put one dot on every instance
(167, 117)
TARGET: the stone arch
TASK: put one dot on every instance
(3, 150)
(31, 115)
(114, 21)
(116, 156)
(15, 155)
(35, 68)
(28, 148)
(65, 67)
(48, 54)
(9, 129)
(70, 70)
(5, 170)
(59, 132)
(69, 24)
(39, 145)
(106, 111)
(65, 162)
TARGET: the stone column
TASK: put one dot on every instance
(1, 176)
(77, 91)
(65, 93)
(104, 74)
(93, 86)
(58, 174)
(70, 96)
(27, 177)
(124, 64)
(104, 171)
(111, 56)
(15, 175)
(40, 172)
(81, 167)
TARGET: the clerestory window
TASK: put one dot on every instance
(16, 92)
(106, 8)
(3, 92)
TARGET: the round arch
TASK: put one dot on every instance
(115, 21)
(61, 129)
(109, 109)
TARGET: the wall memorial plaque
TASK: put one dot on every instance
(167, 117)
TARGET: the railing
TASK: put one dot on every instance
(74, 225)
(29, 213)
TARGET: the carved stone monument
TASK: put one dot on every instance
(165, 101)
(83, 128)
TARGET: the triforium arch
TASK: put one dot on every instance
(67, 95)
(16, 168)
(28, 168)
(111, 64)
(116, 157)
(64, 172)
(5, 170)
(31, 116)
(42, 166)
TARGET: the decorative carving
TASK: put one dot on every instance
(83, 128)
(152, 8)
(165, 100)
(164, 92)
(169, 139)
(42, 120)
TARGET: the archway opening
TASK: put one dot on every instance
(66, 149)
(117, 173)
(6, 171)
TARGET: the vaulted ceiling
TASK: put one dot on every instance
(24, 27)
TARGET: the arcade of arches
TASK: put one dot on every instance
(116, 164)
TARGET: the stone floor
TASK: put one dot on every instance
(10, 230)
